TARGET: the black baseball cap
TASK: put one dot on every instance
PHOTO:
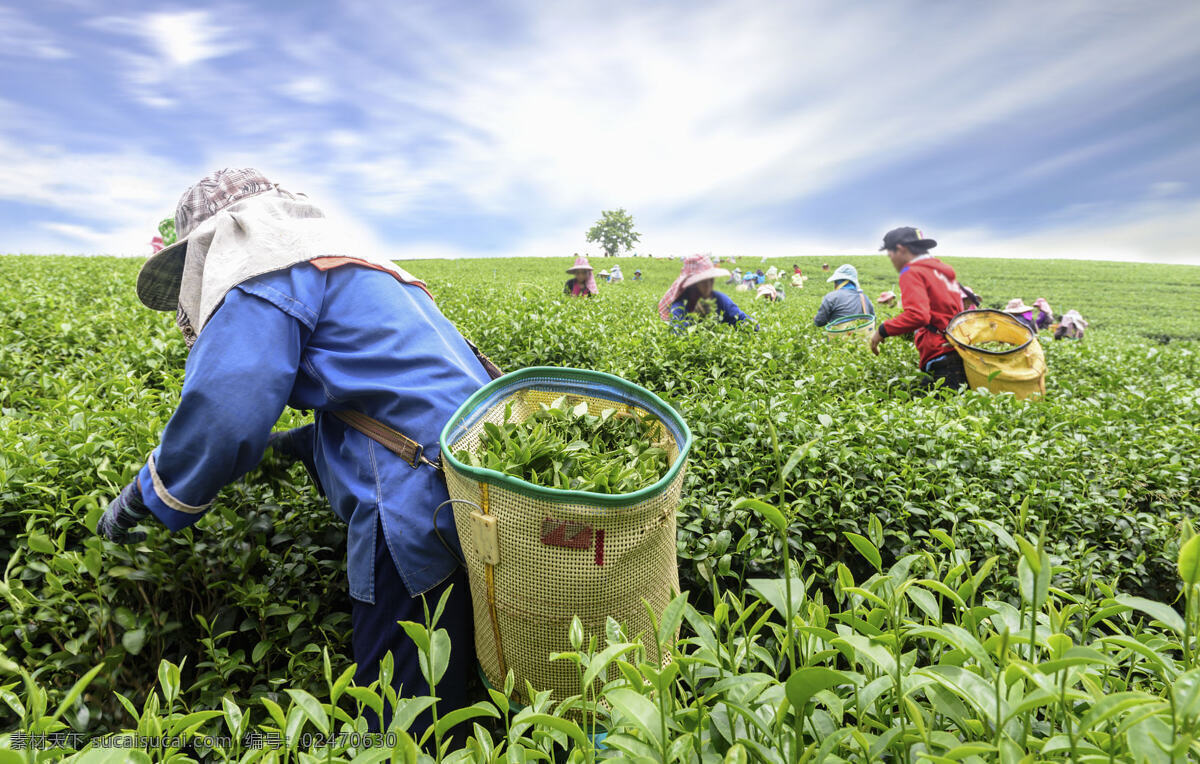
(909, 237)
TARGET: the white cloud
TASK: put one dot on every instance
(187, 37)
(720, 111)
(1167, 188)
(172, 42)
(1156, 232)
(694, 119)
(312, 89)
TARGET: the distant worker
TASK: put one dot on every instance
(767, 292)
(887, 298)
(798, 280)
(1045, 316)
(582, 283)
(930, 297)
(846, 299)
(615, 276)
(1025, 313)
(796, 270)
(637, 274)
(735, 277)
(772, 273)
(693, 293)
(760, 277)
(1071, 327)
(824, 266)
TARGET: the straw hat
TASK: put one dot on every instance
(581, 264)
(1017, 305)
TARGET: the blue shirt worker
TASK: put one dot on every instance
(693, 294)
(272, 320)
(847, 298)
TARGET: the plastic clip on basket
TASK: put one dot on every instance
(1020, 370)
(537, 557)
(858, 325)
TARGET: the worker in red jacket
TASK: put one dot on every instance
(931, 297)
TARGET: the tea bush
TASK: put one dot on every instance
(974, 576)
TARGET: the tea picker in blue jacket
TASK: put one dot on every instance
(272, 319)
(693, 294)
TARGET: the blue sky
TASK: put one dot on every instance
(1025, 129)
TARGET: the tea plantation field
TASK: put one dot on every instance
(972, 578)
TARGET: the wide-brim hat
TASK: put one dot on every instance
(160, 276)
(705, 275)
(844, 273)
(581, 264)
(1017, 305)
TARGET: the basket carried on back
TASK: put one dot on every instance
(537, 557)
(1020, 370)
(860, 325)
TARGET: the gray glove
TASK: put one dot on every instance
(125, 511)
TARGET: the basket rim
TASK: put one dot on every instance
(829, 327)
(962, 316)
(558, 495)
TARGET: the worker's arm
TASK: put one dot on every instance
(916, 313)
(730, 312)
(239, 375)
(823, 312)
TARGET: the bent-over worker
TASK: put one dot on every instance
(277, 312)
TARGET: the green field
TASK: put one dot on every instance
(976, 577)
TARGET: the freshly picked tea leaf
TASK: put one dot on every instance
(563, 446)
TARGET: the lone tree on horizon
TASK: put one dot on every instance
(614, 231)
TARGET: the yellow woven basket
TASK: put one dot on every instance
(1021, 371)
(536, 557)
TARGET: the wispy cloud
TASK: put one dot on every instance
(22, 38)
(435, 127)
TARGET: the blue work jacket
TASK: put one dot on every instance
(730, 312)
(347, 338)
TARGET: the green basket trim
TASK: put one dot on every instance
(837, 327)
(559, 495)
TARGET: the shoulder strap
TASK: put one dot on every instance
(397, 442)
(862, 301)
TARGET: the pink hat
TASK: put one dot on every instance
(886, 297)
(696, 268)
(1017, 305)
(581, 264)
(1041, 303)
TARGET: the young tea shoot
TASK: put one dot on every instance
(566, 447)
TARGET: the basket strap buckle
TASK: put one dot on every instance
(393, 440)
